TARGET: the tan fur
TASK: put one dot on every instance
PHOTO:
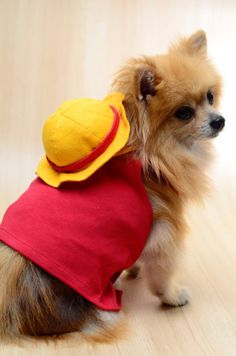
(174, 155)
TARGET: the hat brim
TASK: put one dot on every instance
(55, 179)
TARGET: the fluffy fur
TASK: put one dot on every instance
(174, 147)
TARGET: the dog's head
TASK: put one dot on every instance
(172, 103)
(177, 93)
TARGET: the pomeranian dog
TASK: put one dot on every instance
(171, 102)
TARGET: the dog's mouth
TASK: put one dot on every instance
(214, 134)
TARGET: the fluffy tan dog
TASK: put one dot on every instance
(171, 102)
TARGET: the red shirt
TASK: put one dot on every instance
(84, 233)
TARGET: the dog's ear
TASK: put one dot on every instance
(147, 83)
(138, 79)
(197, 44)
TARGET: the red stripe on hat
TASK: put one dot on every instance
(82, 163)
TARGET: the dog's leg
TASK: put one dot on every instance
(133, 271)
(32, 302)
(160, 258)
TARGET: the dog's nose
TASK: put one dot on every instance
(217, 123)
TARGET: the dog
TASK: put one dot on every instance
(171, 102)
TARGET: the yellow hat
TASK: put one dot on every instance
(81, 136)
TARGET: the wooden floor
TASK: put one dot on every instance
(53, 50)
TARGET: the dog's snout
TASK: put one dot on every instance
(217, 122)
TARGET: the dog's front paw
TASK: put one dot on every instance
(176, 296)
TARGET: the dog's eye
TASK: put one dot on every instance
(185, 113)
(210, 97)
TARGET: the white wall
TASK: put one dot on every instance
(52, 50)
